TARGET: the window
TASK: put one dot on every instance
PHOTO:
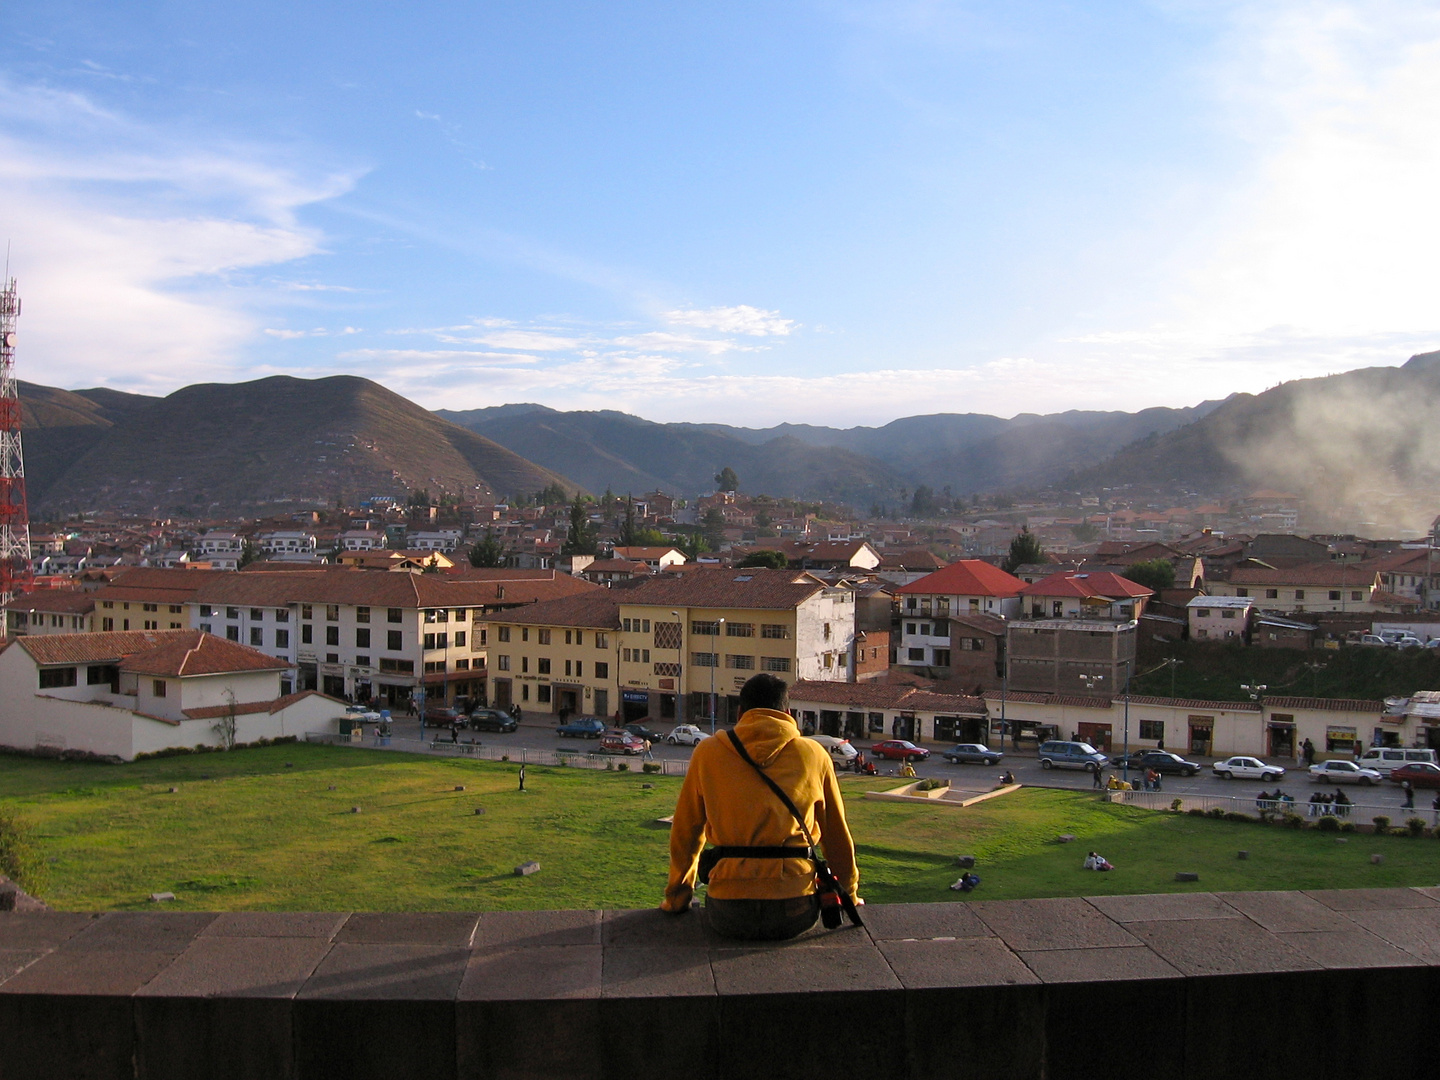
(282, 614)
(524, 665)
(362, 637)
(204, 626)
(434, 667)
(602, 669)
(362, 661)
(775, 663)
(394, 614)
(101, 674)
(205, 609)
(918, 655)
(282, 639)
(362, 614)
(739, 629)
(1242, 592)
(972, 644)
(429, 642)
(232, 633)
(542, 694)
(480, 637)
(542, 636)
(525, 692)
(942, 657)
(332, 658)
(1272, 594)
(1057, 608)
(332, 635)
(740, 663)
(395, 640)
(910, 628)
(157, 687)
(568, 636)
(230, 612)
(257, 636)
(150, 607)
(1334, 594)
(1202, 612)
(568, 666)
(306, 611)
(431, 615)
(459, 639)
(524, 633)
(257, 614)
(909, 603)
(152, 624)
(332, 612)
(778, 631)
(827, 631)
(502, 663)
(704, 627)
(502, 633)
(109, 624)
(462, 665)
(397, 667)
(458, 615)
(50, 678)
(1152, 729)
(644, 625)
(602, 640)
(542, 665)
(703, 659)
(1356, 595)
(1228, 613)
(579, 669)
(829, 660)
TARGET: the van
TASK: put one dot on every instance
(840, 749)
(1057, 754)
(1384, 758)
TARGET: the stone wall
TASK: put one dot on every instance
(1323, 984)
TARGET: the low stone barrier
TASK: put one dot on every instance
(1195, 985)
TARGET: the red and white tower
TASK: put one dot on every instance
(14, 516)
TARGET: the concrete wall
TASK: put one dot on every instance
(1202, 986)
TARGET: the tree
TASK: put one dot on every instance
(628, 529)
(419, 497)
(250, 553)
(922, 503)
(580, 540)
(1085, 532)
(766, 558)
(1154, 574)
(726, 480)
(650, 538)
(714, 525)
(693, 546)
(1024, 549)
(487, 552)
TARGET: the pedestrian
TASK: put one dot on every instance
(1409, 789)
(522, 776)
(649, 754)
(1308, 749)
(1435, 810)
(1097, 779)
(1155, 779)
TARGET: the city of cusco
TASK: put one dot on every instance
(830, 539)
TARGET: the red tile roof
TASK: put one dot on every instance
(371, 589)
(1101, 583)
(1321, 575)
(599, 611)
(967, 577)
(715, 587)
(172, 653)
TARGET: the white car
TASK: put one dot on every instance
(1247, 768)
(1338, 771)
(686, 735)
(840, 749)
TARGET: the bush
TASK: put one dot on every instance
(1328, 823)
(1175, 804)
(1292, 821)
(1215, 812)
(1382, 825)
(651, 766)
(931, 784)
(1235, 815)
(20, 861)
(504, 757)
(1415, 826)
(1194, 811)
(1347, 826)
(624, 766)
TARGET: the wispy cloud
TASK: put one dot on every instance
(741, 319)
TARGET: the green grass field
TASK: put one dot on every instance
(259, 834)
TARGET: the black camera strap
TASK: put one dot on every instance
(828, 881)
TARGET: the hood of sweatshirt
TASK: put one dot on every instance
(765, 732)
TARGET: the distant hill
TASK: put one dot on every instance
(234, 448)
(966, 452)
(1365, 439)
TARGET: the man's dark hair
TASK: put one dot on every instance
(764, 692)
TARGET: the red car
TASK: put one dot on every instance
(621, 742)
(899, 749)
(1419, 773)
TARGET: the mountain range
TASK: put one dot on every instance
(1364, 438)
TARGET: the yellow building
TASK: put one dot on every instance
(555, 655)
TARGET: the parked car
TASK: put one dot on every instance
(1059, 754)
(1247, 768)
(1372, 639)
(584, 727)
(1384, 758)
(1162, 761)
(642, 732)
(443, 716)
(899, 750)
(685, 735)
(969, 753)
(491, 720)
(1339, 771)
(1419, 773)
(621, 742)
(840, 750)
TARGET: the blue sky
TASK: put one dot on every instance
(752, 212)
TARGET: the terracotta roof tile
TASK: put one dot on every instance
(1111, 586)
(193, 652)
(967, 577)
(598, 611)
(714, 587)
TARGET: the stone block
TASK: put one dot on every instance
(527, 928)
(1348, 949)
(65, 1036)
(971, 1033)
(1373, 899)
(1069, 923)
(1286, 912)
(961, 962)
(142, 931)
(221, 1038)
(939, 920)
(1417, 931)
(41, 930)
(157, 897)
(651, 927)
(1126, 963)
(276, 924)
(1161, 907)
(673, 989)
(1220, 947)
(965, 862)
(455, 928)
(763, 968)
(525, 869)
(14, 961)
(90, 973)
(1186, 875)
(236, 967)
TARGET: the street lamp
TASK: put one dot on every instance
(1257, 693)
(714, 663)
(1090, 682)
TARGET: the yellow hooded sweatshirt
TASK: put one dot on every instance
(724, 800)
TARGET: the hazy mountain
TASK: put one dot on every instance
(966, 452)
(234, 447)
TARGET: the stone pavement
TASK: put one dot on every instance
(1195, 985)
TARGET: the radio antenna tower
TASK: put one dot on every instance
(14, 516)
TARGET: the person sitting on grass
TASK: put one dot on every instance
(967, 882)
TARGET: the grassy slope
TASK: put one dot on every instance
(260, 835)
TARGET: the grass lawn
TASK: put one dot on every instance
(259, 834)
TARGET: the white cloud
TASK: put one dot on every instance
(741, 319)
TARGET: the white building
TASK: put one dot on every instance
(1219, 618)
